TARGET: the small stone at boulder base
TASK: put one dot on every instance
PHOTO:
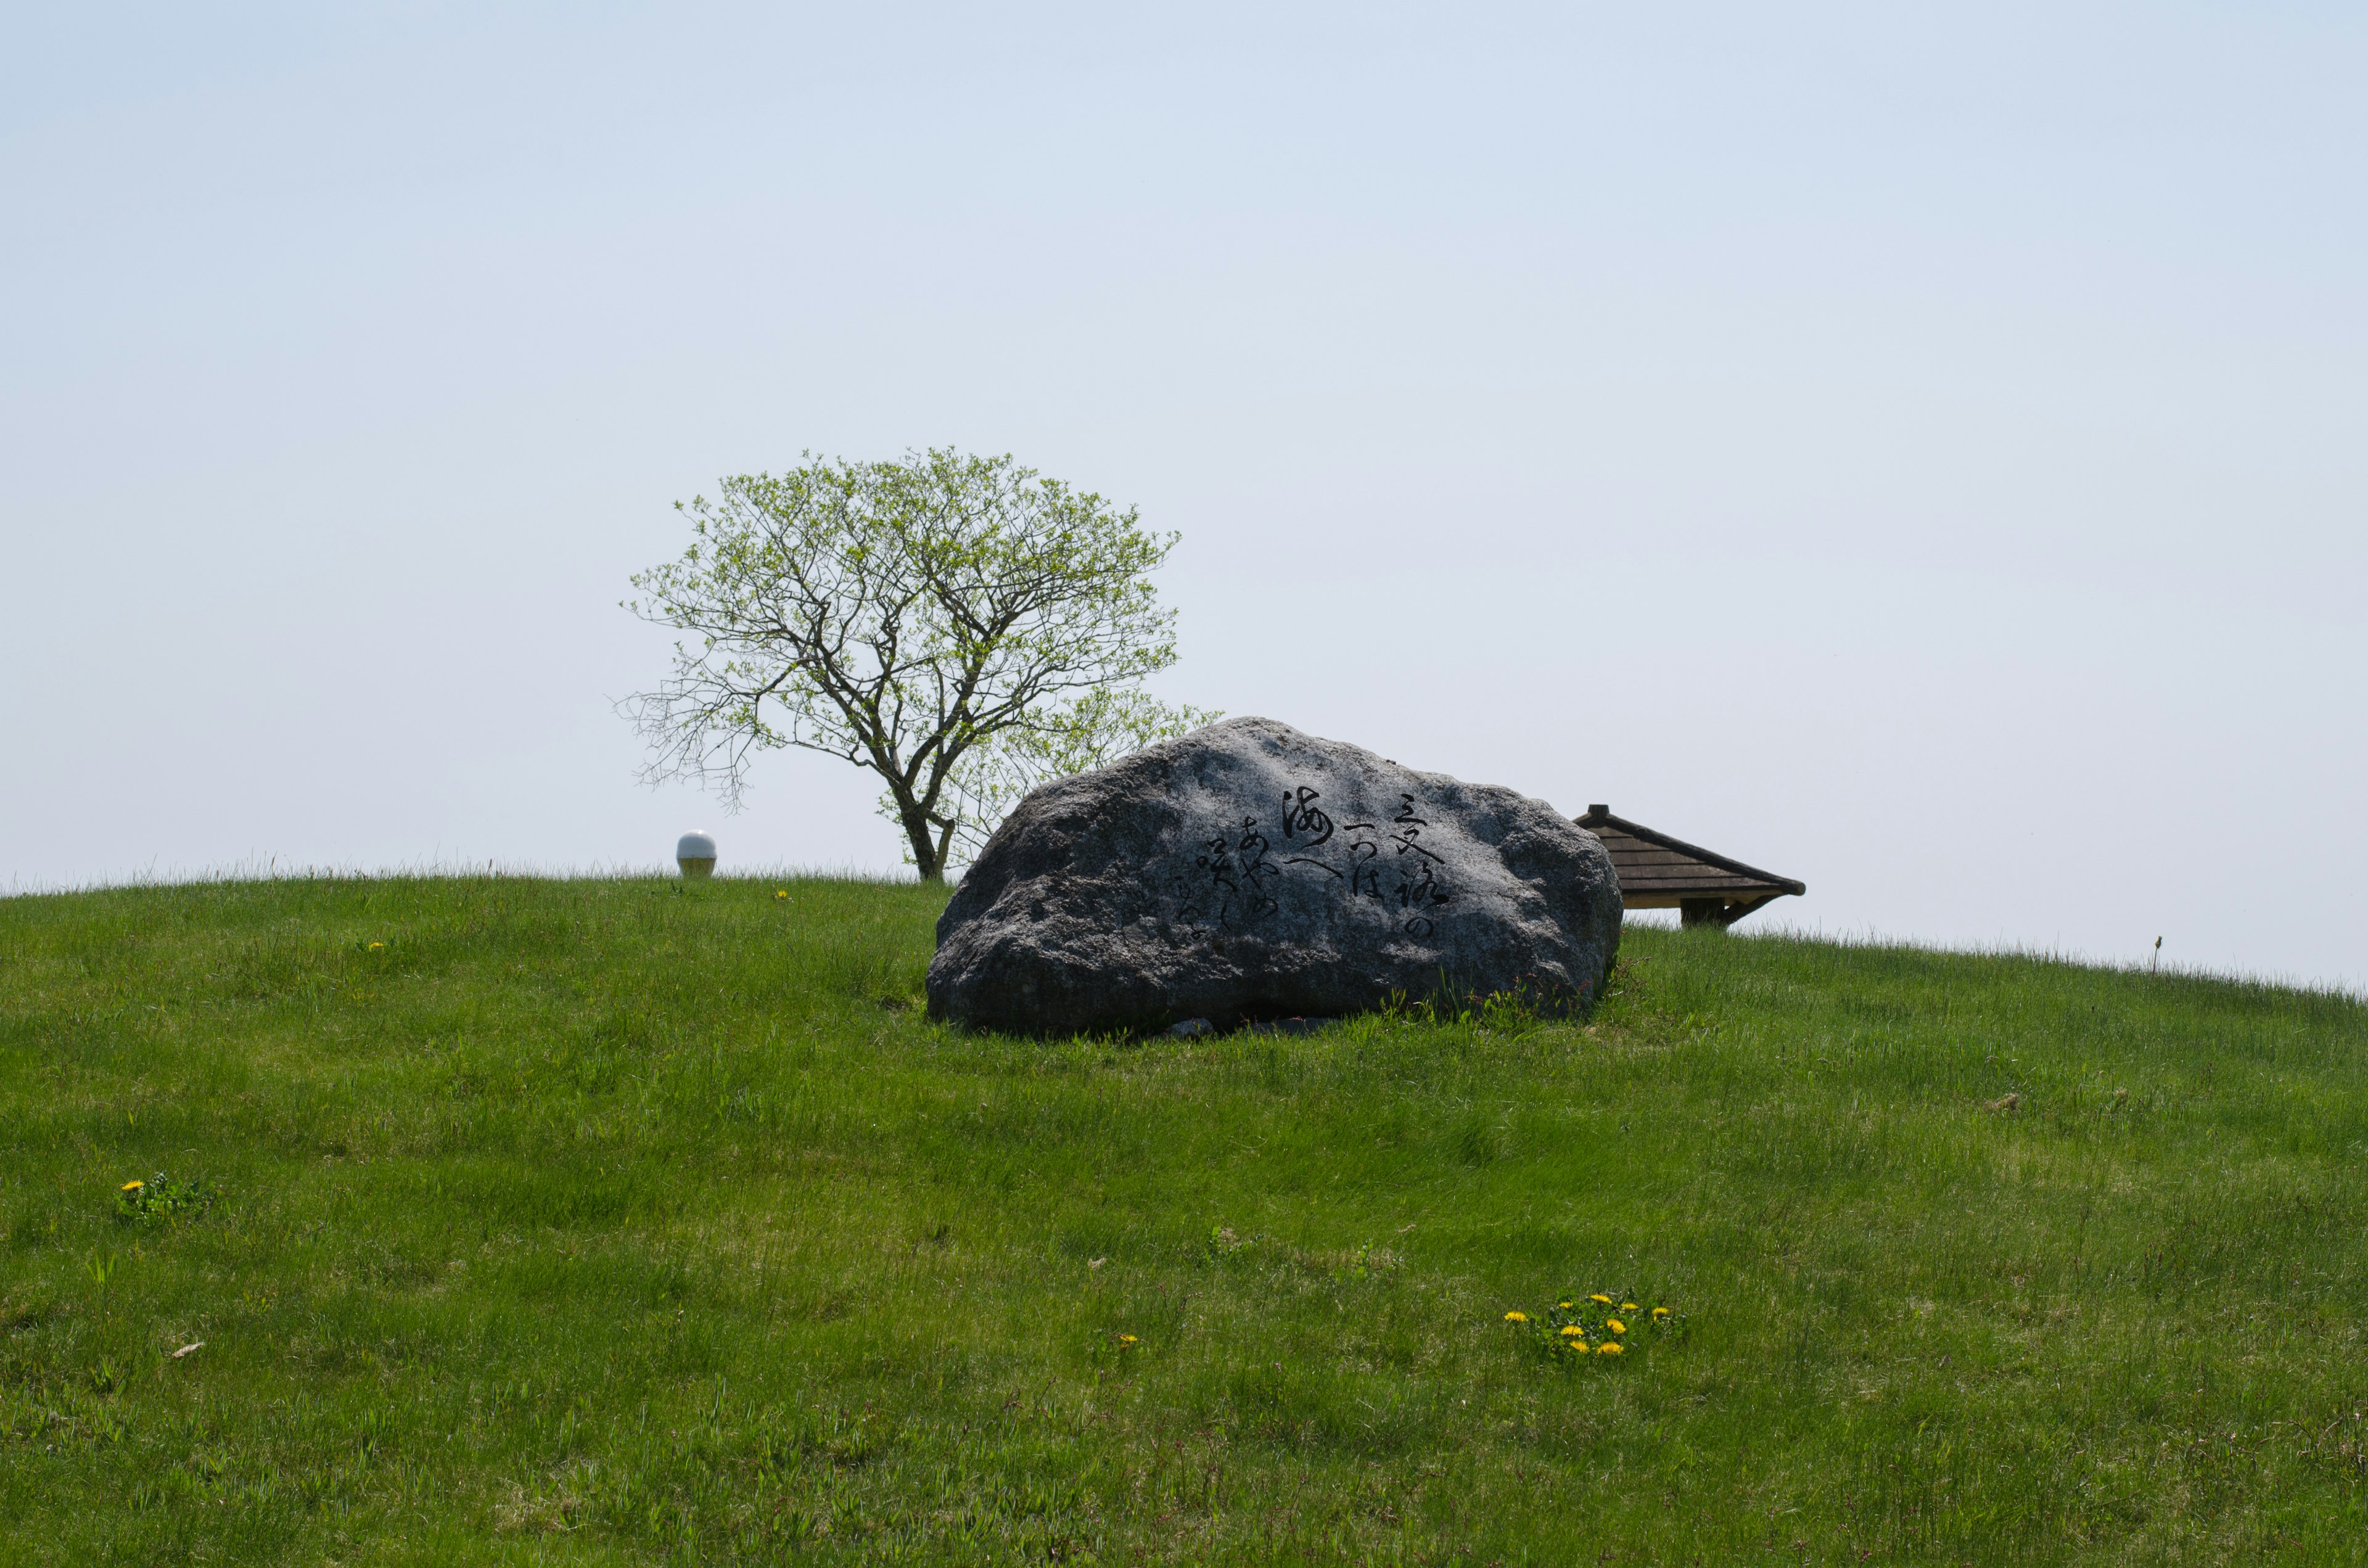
(1192, 1028)
(1247, 871)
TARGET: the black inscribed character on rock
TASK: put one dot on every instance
(1306, 826)
(1215, 885)
(1304, 820)
(1417, 891)
(1364, 853)
(1258, 873)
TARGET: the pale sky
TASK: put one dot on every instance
(1915, 450)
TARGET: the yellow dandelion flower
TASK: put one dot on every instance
(375, 947)
(131, 1186)
(1615, 1325)
(1607, 1348)
(1659, 1312)
(1627, 1306)
(1570, 1328)
(1517, 1317)
(1605, 1299)
(1563, 1305)
(780, 893)
(1126, 1339)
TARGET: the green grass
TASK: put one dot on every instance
(607, 1222)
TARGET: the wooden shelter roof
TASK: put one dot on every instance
(1657, 872)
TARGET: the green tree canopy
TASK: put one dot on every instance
(963, 627)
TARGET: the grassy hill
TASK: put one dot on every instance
(613, 1221)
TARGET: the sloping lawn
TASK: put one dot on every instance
(613, 1221)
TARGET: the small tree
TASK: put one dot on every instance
(961, 626)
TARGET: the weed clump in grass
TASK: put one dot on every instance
(1595, 1325)
(160, 1199)
(1528, 1003)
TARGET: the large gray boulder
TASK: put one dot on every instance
(1248, 871)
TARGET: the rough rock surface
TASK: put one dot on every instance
(1249, 871)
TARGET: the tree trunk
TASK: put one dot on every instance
(926, 857)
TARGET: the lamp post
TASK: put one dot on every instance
(695, 853)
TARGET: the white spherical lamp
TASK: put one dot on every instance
(695, 853)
